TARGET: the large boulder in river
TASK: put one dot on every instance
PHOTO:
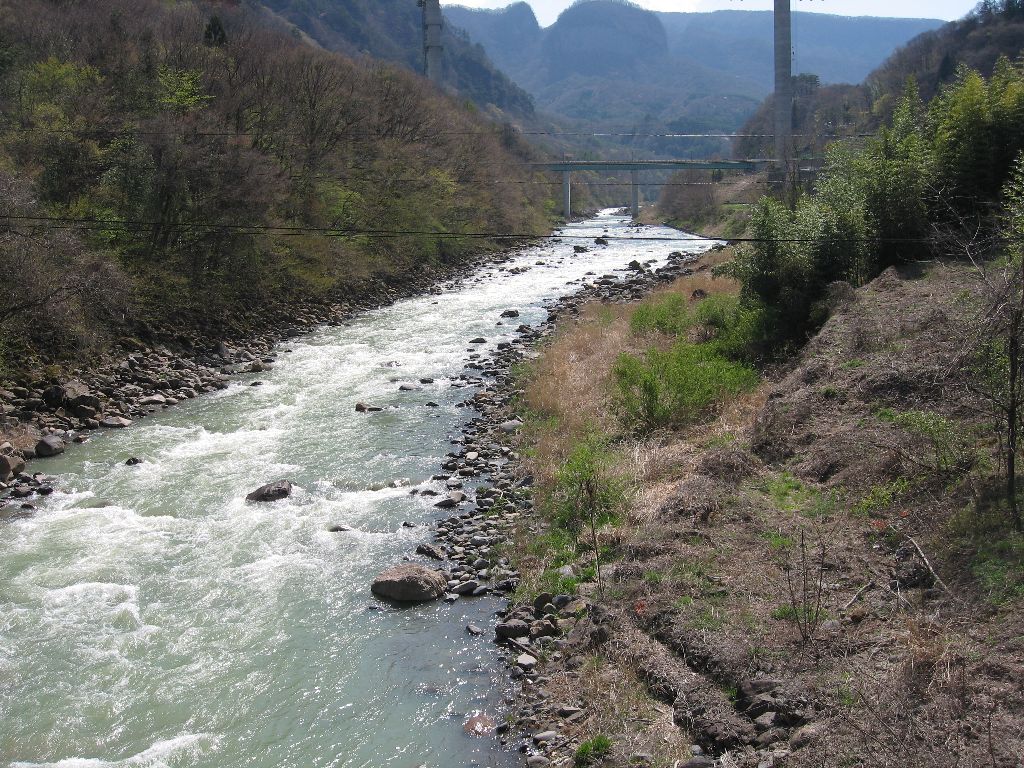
(51, 445)
(282, 489)
(409, 583)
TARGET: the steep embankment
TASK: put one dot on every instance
(179, 176)
(812, 575)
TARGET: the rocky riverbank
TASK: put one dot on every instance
(471, 545)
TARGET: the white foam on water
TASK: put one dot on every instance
(153, 600)
(160, 755)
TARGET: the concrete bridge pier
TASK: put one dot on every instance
(634, 177)
(567, 194)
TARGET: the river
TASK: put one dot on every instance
(150, 617)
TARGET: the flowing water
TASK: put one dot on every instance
(149, 616)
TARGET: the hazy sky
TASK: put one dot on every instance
(547, 10)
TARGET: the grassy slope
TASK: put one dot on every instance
(900, 674)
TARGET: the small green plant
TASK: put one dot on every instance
(654, 578)
(881, 497)
(592, 751)
(586, 496)
(708, 619)
(949, 449)
(854, 364)
(778, 541)
(787, 492)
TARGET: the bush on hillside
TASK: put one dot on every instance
(676, 387)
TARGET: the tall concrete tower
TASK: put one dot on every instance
(783, 84)
(433, 22)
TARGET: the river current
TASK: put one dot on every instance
(150, 617)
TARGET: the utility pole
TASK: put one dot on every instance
(433, 22)
(783, 89)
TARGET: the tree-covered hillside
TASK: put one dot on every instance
(392, 30)
(172, 167)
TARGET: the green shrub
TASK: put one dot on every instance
(667, 314)
(584, 492)
(998, 565)
(950, 449)
(680, 386)
(592, 751)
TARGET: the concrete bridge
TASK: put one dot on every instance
(635, 167)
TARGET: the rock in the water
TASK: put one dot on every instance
(364, 408)
(510, 313)
(479, 725)
(51, 445)
(115, 422)
(133, 461)
(409, 583)
(466, 587)
(338, 529)
(282, 489)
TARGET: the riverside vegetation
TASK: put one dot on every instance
(170, 172)
(787, 484)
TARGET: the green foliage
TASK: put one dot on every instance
(667, 314)
(881, 497)
(592, 751)
(678, 386)
(181, 90)
(950, 448)
(998, 565)
(584, 492)
(978, 133)
(778, 541)
(200, 152)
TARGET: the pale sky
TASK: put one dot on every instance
(547, 10)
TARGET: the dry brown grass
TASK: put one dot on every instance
(618, 705)
(570, 385)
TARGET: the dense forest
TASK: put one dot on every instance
(164, 165)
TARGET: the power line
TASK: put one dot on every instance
(95, 223)
(367, 135)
